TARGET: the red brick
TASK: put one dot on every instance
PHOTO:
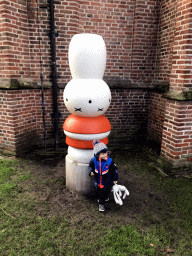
(130, 36)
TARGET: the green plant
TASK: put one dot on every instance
(26, 231)
(127, 241)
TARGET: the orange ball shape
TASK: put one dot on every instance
(85, 125)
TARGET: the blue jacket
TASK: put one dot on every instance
(105, 172)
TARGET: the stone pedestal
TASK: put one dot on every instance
(77, 178)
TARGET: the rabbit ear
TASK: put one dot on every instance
(117, 193)
(119, 201)
(115, 197)
(114, 193)
(126, 193)
(120, 193)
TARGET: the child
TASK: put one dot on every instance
(105, 171)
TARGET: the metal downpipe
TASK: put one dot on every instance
(54, 73)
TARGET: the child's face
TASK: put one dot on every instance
(103, 155)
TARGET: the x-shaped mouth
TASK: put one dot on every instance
(78, 109)
(100, 109)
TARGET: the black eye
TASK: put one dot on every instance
(66, 99)
(90, 101)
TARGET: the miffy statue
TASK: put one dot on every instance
(87, 97)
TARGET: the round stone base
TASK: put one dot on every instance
(77, 177)
(83, 156)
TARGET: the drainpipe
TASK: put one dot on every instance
(55, 114)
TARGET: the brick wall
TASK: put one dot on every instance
(14, 52)
(177, 132)
(114, 21)
(170, 119)
(21, 116)
(127, 113)
(7, 133)
(148, 42)
(162, 65)
(174, 45)
(146, 19)
(180, 78)
(170, 123)
(165, 39)
(156, 115)
(128, 27)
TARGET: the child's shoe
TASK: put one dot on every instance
(101, 208)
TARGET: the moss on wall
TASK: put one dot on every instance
(179, 95)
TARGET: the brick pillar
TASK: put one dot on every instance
(177, 130)
(14, 55)
(144, 40)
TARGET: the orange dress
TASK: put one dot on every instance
(86, 125)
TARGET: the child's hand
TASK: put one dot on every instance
(92, 174)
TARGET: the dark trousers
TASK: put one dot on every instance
(102, 194)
